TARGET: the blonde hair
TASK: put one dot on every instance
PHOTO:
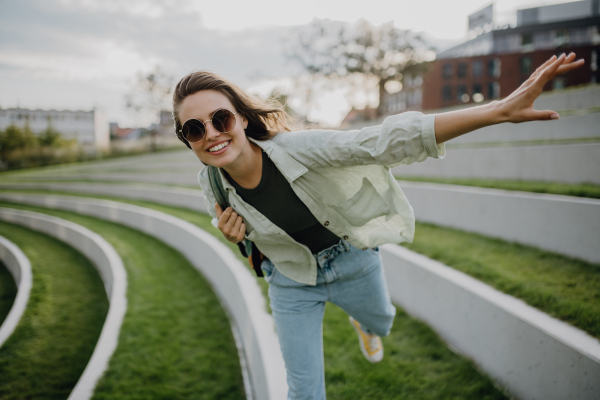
(265, 119)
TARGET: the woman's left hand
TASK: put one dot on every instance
(518, 107)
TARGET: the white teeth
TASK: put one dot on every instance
(219, 147)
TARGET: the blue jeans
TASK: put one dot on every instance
(349, 277)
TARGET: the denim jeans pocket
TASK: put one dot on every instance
(268, 270)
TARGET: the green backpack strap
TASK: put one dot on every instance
(247, 248)
(216, 184)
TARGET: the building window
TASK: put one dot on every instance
(526, 65)
(447, 71)
(561, 37)
(477, 68)
(527, 40)
(594, 61)
(494, 67)
(462, 70)
(493, 90)
(559, 82)
(447, 93)
(477, 93)
(461, 93)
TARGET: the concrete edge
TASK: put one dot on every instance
(111, 269)
(20, 268)
(529, 353)
(253, 324)
(494, 192)
(568, 334)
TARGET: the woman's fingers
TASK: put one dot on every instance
(230, 224)
(571, 66)
(544, 65)
(242, 232)
(235, 230)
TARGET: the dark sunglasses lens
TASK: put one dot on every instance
(193, 130)
(223, 121)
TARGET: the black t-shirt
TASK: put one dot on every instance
(275, 199)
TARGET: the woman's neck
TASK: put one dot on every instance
(247, 170)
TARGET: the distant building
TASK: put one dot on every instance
(166, 125)
(87, 127)
(409, 98)
(498, 60)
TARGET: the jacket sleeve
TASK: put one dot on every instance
(401, 139)
(209, 198)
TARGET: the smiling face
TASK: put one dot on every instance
(231, 146)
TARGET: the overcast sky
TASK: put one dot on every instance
(80, 54)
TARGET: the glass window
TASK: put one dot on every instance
(526, 66)
(447, 71)
(462, 70)
(477, 88)
(494, 67)
(461, 93)
(559, 82)
(526, 39)
(493, 90)
(447, 93)
(561, 37)
(477, 68)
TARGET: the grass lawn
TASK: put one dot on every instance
(49, 349)
(568, 189)
(417, 365)
(8, 292)
(176, 341)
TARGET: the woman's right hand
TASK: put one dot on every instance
(230, 224)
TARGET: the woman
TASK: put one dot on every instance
(317, 203)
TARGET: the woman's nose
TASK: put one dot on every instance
(211, 132)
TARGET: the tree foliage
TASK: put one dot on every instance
(149, 94)
(379, 53)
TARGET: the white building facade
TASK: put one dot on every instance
(87, 127)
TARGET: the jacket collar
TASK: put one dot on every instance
(286, 164)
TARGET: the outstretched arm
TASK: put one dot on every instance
(518, 107)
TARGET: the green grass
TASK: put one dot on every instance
(176, 341)
(579, 190)
(418, 365)
(565, 288)
(49, 349)
(8, 292)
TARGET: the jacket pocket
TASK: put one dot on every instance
(365, 205)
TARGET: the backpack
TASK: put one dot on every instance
(247, 247)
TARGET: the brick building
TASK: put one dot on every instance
(497, 61)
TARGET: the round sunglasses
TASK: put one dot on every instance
(194, 130)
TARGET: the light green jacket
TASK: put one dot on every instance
(344, 179)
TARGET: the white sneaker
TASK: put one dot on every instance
(370, 344)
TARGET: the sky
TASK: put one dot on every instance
(84, 54)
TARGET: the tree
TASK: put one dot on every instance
(375, 53)
(149, 95)
(15, 138)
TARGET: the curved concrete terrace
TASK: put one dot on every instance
(20, 268)
(562, 224)
(235, 286)
(535, 356)
(569, 163)
(531, 354)
(111, 270)
(566, 225)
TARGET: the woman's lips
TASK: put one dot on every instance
(218, 152)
